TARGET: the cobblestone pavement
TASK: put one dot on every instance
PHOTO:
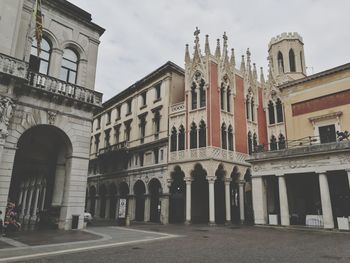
(221, 244)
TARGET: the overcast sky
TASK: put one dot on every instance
(142, 35)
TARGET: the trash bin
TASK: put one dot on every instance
(75, 221)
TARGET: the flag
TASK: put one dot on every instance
(38, 18)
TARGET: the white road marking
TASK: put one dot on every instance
(142, 231)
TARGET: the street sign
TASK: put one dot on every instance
(122, 208)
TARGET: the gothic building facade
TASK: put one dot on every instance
(46, 107)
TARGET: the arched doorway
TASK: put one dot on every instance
(112, 201)
(39, 175)
(199, 195)
(220, 196)
(92, 196)
(177, 196)
(139, 190)
(103, 200)
(248, 204)
(155, 190)
(234, 195)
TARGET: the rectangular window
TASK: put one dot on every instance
(107, 137)
(98, 123)
(144, 98)
(157, 89)
(161, 155)
(117, 113)
(156, 156)
(141, 158)
(116, 133)
(327, 133)
(108, 117)
(128, 110)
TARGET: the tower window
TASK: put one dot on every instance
(202, 134)
(193, 136)
(271, 112)
(181, 138)
(292, 60)
(173, 141)
(279, 110)
(222, 97)
(194, 96)
(230, 138)
(223, 136)
(228, 94)
(250, 143)
(280, 62)
(202, 93)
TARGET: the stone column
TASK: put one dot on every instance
(284, 208)
(24, 200)
(131, 207)
(42, 206)
(54, 69)
(211, 182)
(35, 209)
(57, 196)
(228, 200)
(31, 190)
(259, 201)
(164, 209)
(147, 208)
(20, 196)
(348, 171)
(241, 201)
(97, 206)
(188, 200)
(326, 201)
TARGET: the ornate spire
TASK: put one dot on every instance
(187, 54)
(207, 47)
(255, 73)
(262, 78)
(233, 59)
(224, 51)
(248, 59)
(217, 51)
(243, 64)
(196, 35)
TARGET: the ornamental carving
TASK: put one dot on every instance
(51, 117)
(6, 112)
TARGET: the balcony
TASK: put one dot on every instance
(115, 148)
(208, 153)
(177, 108)
(46, 85)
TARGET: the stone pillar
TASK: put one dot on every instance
(57, 196)
(20, 196)
(326, 201)
(97, 206)
(147, 208)
(131, 207)
(228, 200)
(241, 201)
(348, 171)
(211, 182)
(31, 190)
(188, 200)
(259, 201)
(54, 69)
(24, 200)
(164, 209)
(42, 206)
(35, 208)
(284, 207)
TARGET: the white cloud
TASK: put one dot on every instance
(142, 35)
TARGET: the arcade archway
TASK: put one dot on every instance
(112, 201)
(177, 197)
(139, 191)
(220, 196)
(199, 195)
(155, 190)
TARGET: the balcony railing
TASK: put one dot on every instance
(208, 153)
(178, 107)
(13, 67)
(114, 148)
(65, 89)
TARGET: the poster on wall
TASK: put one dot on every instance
(122, 208)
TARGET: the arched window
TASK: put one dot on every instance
(69, 66)
(292, 60)
(228, 95)
(194, 96)
(281, 142)
(181, 138)
(273, 143)
(279, 110)
(250, 143)
(280, 62)
(223, 136)
(222, 97)
(193, 136)
(252, 109)
(202, 134)
(255, 142)
(230, 137)
(173, 140)
(202, 93)
(271, 112)
(247, 104)
(40, 63)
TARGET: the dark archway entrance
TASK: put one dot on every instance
(248, 199)
(92, 196)
(139, 190)
(112, 201)
(177, 197)
(199, 196)
(103, 200)
(155, 190)
(234, 195)
(39, 175)
(220, 196)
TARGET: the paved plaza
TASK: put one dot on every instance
(179, 243)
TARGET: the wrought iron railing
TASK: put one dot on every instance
(114, 148)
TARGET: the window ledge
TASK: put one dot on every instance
(129, 113)
(156, 100)
(143, 107)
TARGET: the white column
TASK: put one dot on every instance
(31, 190)
(24, 201)
(43, 198)
(188, 200)
(326, 201)
(147, 208)
(241, 201)
(20, 196)
(284, 208)
(228, 200)
(131, 207)
(259, 200)
(348, 171)
(164, 210)
(211, 182)
(35, 209)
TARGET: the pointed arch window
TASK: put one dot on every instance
(69, 66)
(194, 96)
(247, 104)
(228, 96)
(281, 142)
(292, 60)
(280, 62)
(181, 138)
(202, 94)
(279, 110)
(193, 136)
(173, 139)
(273, 143)
(223, 136)
(250, 143)
(271, 112)
(252, 109)
(40, 63)
(202, 134)
(230, 137)
(222, 97)
(255, 142)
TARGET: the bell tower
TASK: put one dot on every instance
(286, 57)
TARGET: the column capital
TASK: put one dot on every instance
(347, 170)
(279, 174)
(188, 180)
(211, 179)
(241, 182)
(320, 171)
(228, 180)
